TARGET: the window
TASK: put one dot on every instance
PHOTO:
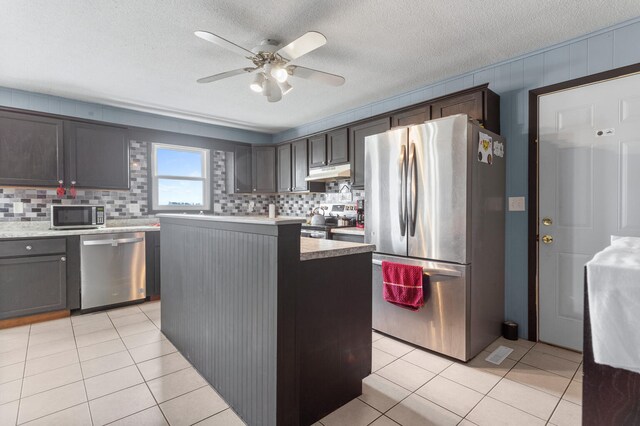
(180, 178)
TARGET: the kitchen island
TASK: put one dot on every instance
(279, 325)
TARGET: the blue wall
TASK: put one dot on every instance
(55, 105)
(607, 49)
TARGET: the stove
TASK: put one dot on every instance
(331, 213)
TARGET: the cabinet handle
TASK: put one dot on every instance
(254, 189)
(28, 247)
(237, 189)
(63, 259)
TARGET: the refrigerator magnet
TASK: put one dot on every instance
(498, 149)
(485, 148)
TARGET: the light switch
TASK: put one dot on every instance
(18, 207)
(516, 204)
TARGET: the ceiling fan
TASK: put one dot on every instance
(272, 64)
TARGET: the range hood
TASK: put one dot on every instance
(329, 173)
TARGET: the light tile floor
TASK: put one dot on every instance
(117, 368)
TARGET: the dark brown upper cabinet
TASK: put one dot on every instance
(318, 151)
(264, 168)
(338, 147)
(300, 169)
(482, 105)
(31, 150)
(96, 156)
(411, 117)
(284, 168)
(242, 183)
(358, 134)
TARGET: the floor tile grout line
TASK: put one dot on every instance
(55, 412)
(24, 368)
(144, 380)
(84, 385)
(503, 402)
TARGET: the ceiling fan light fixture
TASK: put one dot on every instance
(279, 73)
(285, 87)
(258, 83)
(272, 91)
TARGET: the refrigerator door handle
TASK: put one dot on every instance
(432, 272)
(413, 188)
(402, 195)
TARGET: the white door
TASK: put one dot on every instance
(589, 189)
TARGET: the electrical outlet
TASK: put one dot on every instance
(516, 204)
(18, 207)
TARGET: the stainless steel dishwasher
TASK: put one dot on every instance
(112, 269)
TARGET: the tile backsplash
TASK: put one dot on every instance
(132, 204)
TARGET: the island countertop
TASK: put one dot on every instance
(348, 231)
(315, 248)
(255, 220)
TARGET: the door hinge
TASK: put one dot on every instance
(537, 238)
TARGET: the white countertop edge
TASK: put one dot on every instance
(258, 220)
(6, 235)
(348, 231)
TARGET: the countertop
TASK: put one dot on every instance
(40, 229)
(348, 231)
(316, 248)
(256, 220)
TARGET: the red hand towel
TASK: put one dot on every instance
(402, 285)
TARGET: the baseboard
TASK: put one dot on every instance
(32, 319)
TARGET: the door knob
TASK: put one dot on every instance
(546, 221)
(547, 239)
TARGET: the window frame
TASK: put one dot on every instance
(206, 179)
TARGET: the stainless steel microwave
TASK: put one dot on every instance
(73, 217)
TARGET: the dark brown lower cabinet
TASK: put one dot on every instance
(32, 284)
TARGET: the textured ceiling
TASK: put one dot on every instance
(142, 54)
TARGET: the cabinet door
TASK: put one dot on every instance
(264, 168)
(31, 150)
(97, 156)
(242, 169)
(411, 117)
(284, 168)
(358, 134)
(338, 146)
(300, 166)
(470, 104)
(318, 151)
(31, 285)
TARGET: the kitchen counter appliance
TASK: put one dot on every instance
(64, 216)
(335, 216)
(112, 269)
(435, 198)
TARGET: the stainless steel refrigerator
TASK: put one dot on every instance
(436, 198)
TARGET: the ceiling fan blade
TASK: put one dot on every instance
(302, 45)
(315, 75)
(227, 74)
(205, 35)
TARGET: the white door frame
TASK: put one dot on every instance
(534, 95)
